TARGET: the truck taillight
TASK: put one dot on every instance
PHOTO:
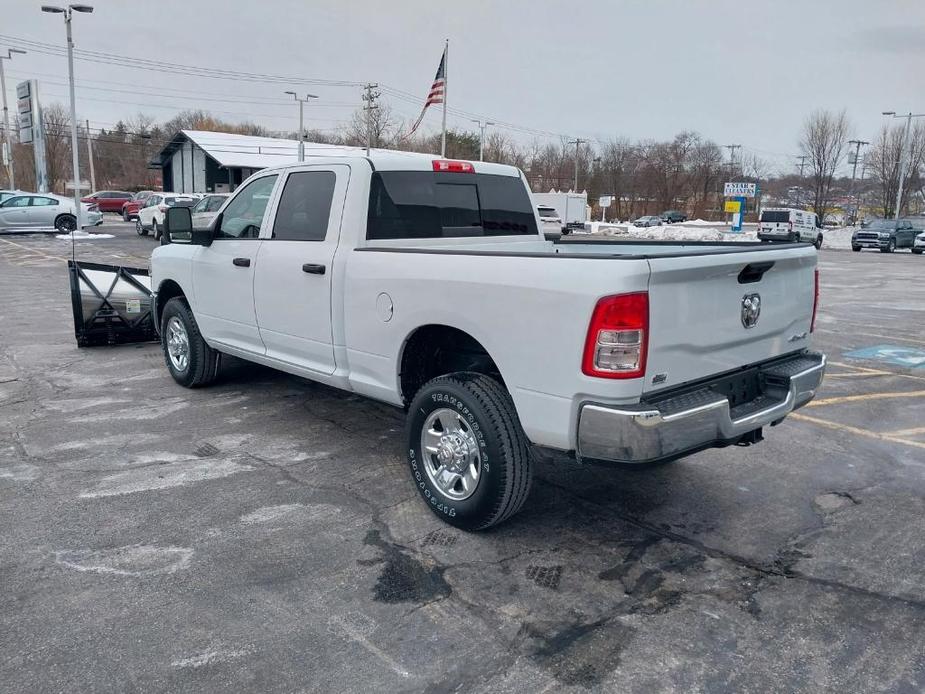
(618, 337)
(812, 325)
(446, 165)
(162, 208)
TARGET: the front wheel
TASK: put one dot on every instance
(189, 359)
(66, 223)
(818, 243)
(469, 456)
(891, 246)
(155, 230)
(917, 251)
(139, 228)
(125, 217)
(856, 249)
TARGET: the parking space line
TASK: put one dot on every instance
(856, 430)
(889, 338)
(866, 396)
(32, 251)
(876, 372)
(907, 432)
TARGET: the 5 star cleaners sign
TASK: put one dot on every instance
(740, 190)
(31, 128)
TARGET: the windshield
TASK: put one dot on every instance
(883, 224)
(180, 202)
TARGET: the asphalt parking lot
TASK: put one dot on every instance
(264, 535)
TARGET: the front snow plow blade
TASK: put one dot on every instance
(112, 304)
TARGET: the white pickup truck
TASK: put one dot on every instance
(427, 284)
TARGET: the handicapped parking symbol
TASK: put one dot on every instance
(891, 354)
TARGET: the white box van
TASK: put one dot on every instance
(789, 225)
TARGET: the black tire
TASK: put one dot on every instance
(506, 462)
(856, 249)
(818, 243)
(65, 224)
(891, 246)
(125, 217)
(917, 251)
(139, 227)
(155, 230)
(203, 361)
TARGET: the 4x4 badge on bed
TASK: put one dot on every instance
(751, 309)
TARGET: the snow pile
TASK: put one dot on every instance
(704, 231)
(702, 223)
(83, 236)
(838, 238)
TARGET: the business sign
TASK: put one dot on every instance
(733, 206)
(740, 190)
(31, 130)
(605, 201)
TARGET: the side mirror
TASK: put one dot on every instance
(178, 227)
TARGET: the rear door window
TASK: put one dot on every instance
(422, 204)
(305, 206)
(775, 216)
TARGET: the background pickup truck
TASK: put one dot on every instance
(427, 284)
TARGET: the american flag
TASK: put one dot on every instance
(436, 94)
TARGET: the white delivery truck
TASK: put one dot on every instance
(572, 208)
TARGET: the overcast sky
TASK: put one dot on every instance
(737, 72)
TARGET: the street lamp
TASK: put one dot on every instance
(68, 12)
(6, 119)
(482, 127)
(301, 129)
(902, 154)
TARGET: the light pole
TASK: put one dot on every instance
(6, 119)
(68, 12)
(301, 128)
(902, 155)
(482, 127)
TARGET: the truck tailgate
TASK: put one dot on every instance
(696, 323)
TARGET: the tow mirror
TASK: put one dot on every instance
(178, 227)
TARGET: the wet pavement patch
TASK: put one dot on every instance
(404, 578)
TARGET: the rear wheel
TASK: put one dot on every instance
(891, 246)
(189, 359)
(66, 223)
(469, 457)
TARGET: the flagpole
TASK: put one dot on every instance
(446, 59)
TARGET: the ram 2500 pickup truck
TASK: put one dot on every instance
(427, 283)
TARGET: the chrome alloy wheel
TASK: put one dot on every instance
(451, 454)
(177, 344)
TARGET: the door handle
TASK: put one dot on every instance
(313, 269)
(242, 262)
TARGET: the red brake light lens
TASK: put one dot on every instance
(447, 165)
(812, 326)
(618, 337)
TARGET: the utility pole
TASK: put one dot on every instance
(902, 155)
(7, 156)
(732, 149)
(854, 170)
(90, 155)
(482, 127)
(301, 122)
(578, 142)
(802, 158)
(370, 98)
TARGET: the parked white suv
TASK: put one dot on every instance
(427, 284)
(151, 215)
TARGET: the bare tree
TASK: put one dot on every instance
(824, 142)
(384, 130)
(883, 160)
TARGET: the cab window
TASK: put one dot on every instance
(243, 217)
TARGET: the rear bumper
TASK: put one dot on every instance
(695, 419)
